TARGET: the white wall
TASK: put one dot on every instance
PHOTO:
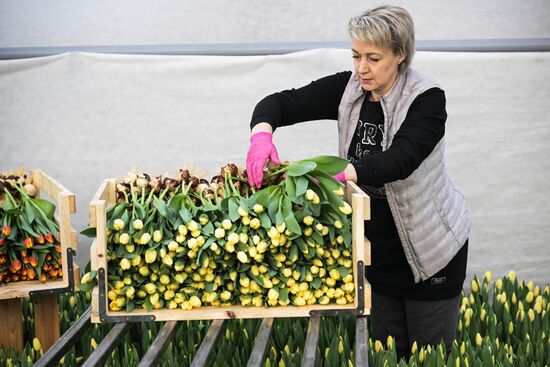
(35, 23)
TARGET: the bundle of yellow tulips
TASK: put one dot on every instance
(186, 242)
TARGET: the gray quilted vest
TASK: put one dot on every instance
(430, 213)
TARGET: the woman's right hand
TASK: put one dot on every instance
(261, 149)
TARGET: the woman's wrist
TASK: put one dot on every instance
(351, 174)
(262, 127)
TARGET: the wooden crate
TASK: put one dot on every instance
(44, 294)
(65, 206)
(105, 198)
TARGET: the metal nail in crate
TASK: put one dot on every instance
(106, 197)
(44, 293)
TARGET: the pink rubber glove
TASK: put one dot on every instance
(340, 176)
(261, 149)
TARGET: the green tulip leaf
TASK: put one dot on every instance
(47, 207)
(301, 185)
(89, 232)
(332, 165)
(300, 168)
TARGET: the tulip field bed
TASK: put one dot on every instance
(501, 323)
(186, 249)
(36, 252)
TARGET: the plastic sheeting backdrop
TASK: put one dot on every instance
(85, 117)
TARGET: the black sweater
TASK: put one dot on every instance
(423, 128)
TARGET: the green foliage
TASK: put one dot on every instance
(505, 323)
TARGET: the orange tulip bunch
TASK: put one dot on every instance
(30, 247)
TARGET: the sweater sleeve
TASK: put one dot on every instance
(422, 129)
(318, 100)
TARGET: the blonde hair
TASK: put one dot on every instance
(389, 27)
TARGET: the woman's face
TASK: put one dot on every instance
(375, 68)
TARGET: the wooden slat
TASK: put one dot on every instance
(164, 337)
(46, 319)
(74, 239)
(102, 194)
(110, 342)
(95, 305)
(361, 342)
(11, 332)
(76, 275)
(232, 312)
(260, 345)
(210, 340)
(308, 358)
(351, 187)
(101, 234)
(52, 356)
(53, 188)
(368, 298)
(367, 252)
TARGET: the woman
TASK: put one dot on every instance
(391, 125)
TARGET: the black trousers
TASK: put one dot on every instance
(407, 321)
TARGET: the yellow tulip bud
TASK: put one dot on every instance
(334, 274)
(144, 270)
(316, 199)
(154, 298)
(308, 220)
(273, 294)
(125, 264)
(118, 224)
(173, 246)
(219, 233)
(130, 292)
(145, 238)
(474, 286)
(512, 275)
(36, 345)
(414, 348)
(137, 224)
(167, 260)
(150, 288)
(482, 314)
(378, 346)
(233, 238)
(203, 219)
(345, 208)
(229, 247)
(124, 238)
(192, 226)
(255, 223)
(389, 342)
(157, 236)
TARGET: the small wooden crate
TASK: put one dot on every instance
(65, 206)
(47, 327)
(106, 198)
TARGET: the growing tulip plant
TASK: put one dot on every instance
(30, 247)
